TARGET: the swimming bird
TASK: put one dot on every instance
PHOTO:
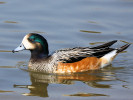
(69, 60)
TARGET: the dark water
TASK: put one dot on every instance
(66, 23)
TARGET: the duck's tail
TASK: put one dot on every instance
(108, 58)
(123, 48)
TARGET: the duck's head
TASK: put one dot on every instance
(34, 42)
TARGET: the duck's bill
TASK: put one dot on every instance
(19, 48)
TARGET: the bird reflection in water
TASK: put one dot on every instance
(41, 81)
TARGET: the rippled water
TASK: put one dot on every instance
(66, 23)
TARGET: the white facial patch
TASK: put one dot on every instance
(27, 44)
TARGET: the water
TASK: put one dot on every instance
(66, 23)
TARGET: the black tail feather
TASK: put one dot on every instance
(123, 48)
(108, 44)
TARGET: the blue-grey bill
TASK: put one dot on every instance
(19, 48)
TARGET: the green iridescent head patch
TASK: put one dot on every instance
(38, 38)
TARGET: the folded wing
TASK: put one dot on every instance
(71, 55)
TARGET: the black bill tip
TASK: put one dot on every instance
(13, 51)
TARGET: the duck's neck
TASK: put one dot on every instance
(38, 55)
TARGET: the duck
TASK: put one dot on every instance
(68, 60)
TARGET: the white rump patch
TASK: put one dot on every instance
(107, 59)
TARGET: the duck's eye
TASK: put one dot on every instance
(31, 40)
